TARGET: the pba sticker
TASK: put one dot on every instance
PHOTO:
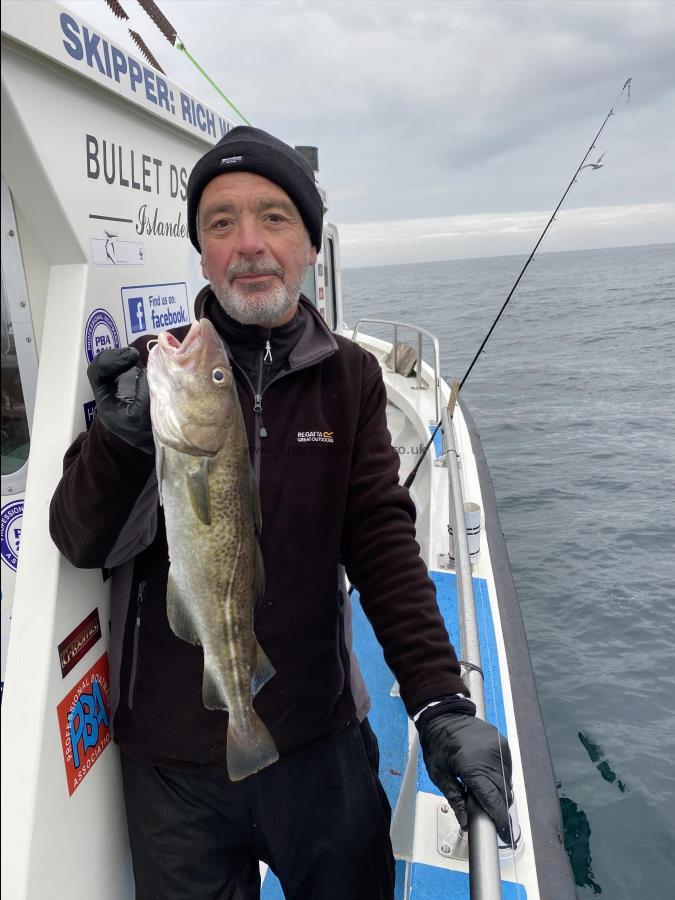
(78, 642)
(154, 308)
(100, 334)
(84, 723)
(10, 533)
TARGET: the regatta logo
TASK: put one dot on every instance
(231, 160)
(78, 642)
(84, 723)
(315, 437)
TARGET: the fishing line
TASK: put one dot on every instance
(171, 35)
(625, 89)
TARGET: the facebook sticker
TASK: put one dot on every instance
(136, 314)
(151, 308)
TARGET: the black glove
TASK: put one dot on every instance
(462, 754)
(122, 403)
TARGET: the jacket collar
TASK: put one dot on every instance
(311, 338)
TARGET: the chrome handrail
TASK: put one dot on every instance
(484, 872)
(418, 360)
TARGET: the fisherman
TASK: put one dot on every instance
(314, 410)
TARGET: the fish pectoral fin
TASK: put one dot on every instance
(212, 693)
(198, 488)
(177, 613)
(263, 671)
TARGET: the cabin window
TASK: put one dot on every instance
(15, 432)
(309, 285)
(18, 356)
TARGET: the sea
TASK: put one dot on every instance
(574, 398)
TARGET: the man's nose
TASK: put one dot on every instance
(250, 239)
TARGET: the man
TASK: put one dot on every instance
(318, 816)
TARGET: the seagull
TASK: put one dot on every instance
(598, 164)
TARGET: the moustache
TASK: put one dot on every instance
(254, 268)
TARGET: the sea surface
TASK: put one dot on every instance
(574, 398)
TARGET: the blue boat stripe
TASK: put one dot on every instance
(433, 883)
(438, 439)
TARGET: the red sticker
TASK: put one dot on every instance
(84, 722)
(78, 642)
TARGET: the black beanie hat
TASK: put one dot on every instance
(246, 149)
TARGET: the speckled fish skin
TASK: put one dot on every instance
(212, 515)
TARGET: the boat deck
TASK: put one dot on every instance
(390, 722)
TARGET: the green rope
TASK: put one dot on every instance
(181, 46)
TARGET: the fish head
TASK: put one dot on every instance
(193, 397)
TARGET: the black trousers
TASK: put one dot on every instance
(318, 817)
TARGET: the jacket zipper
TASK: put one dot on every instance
(134, 654)
(259, 430)
(265, 358)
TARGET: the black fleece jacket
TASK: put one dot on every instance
(329, 491)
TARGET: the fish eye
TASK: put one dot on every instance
(218, 376)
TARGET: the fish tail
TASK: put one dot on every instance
(250, 747)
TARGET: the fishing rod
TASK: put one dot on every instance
(456, 388)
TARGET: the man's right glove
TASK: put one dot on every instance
(463, 754)
(122, 403)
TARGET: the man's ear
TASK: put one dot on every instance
(204, 272)
(312, 257)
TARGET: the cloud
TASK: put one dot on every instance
(435, 109)
(497, 234)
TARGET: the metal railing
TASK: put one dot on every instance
(484, 872)
(420, 332)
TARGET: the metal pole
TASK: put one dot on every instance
(484, 874)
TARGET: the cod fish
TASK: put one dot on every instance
(212, 512)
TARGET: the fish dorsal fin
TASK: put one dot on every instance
(264, 670)
(198, 488)
(177, 612)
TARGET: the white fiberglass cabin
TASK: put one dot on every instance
(96, 150)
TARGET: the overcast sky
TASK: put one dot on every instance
(448, 129)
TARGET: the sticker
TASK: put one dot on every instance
(100, 334)
(154, 307)
(84, 723)
(78, 642)
(89, 409)
(10, 533)
(320, 293)
(111, 251)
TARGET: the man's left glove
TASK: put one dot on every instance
(463, 754)
(122, 396)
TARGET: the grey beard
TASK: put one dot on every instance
(251, 308)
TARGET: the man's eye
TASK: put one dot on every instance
(275, 218)
(219, 224)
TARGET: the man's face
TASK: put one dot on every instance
(255, 248)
